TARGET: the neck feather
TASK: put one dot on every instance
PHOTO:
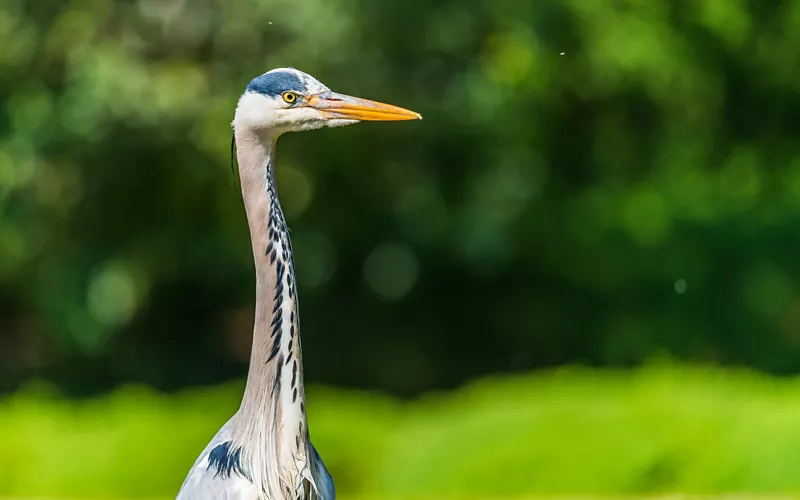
(271, 427)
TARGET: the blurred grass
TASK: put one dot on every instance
(571, 431)
(535, 497)
(544, 497)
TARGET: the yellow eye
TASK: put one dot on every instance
(289, 97)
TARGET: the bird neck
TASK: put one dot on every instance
(271, 426)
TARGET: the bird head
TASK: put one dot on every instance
(288, 100)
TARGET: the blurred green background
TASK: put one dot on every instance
(606, 185)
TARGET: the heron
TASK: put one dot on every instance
(264, 451)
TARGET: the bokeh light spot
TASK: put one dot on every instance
(111, 295)
(316, 258)
(740, 178)
(511, 57)
(297, 188)
(646, 218)
(391, 270)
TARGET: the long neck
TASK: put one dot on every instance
(271, 426)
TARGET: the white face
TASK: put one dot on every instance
(267, 113)
(288, 100)
(277, 113)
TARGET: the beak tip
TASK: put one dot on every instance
(419, 116)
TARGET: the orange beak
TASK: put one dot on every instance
(335, 106)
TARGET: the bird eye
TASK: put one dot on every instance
(289, 97)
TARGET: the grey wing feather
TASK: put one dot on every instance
(204, 483)
(323, 479)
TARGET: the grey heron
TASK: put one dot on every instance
(264, 451)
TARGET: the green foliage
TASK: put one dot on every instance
(593, 181)
(660, 429)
